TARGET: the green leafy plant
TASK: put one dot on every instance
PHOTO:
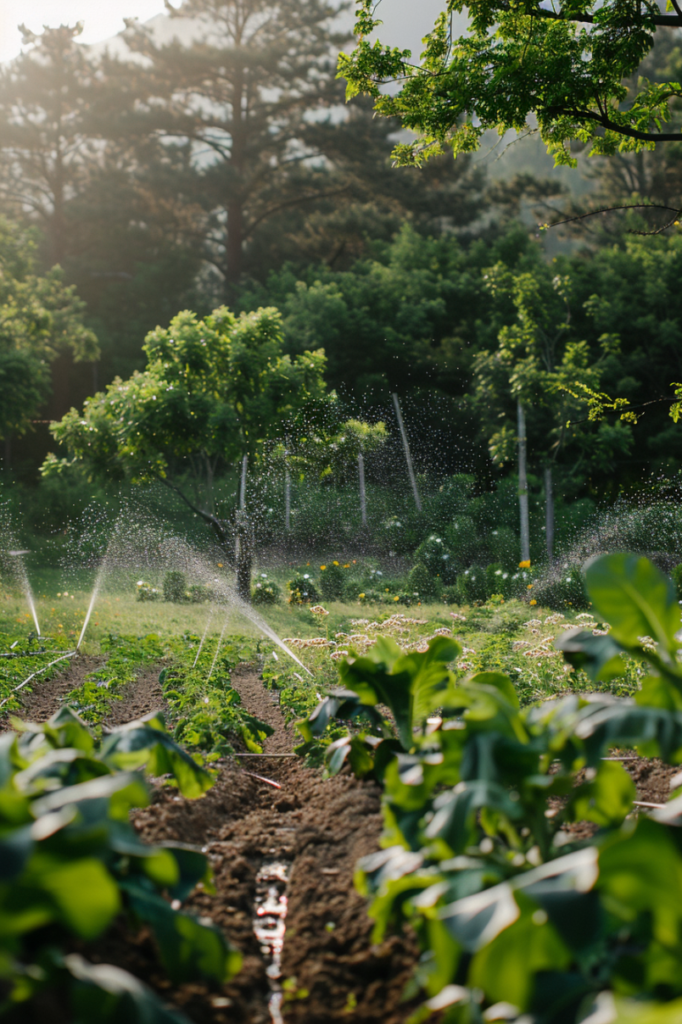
(175, 587)
(266, 592)
(71, 862)
(421, 583)
(332, 582)
(512, 906)
(146, 592)
(302, 590)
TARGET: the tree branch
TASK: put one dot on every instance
(208, 518)
(621, 129)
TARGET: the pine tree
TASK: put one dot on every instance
(46, 145)
(241, 92)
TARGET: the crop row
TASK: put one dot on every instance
(519, 916)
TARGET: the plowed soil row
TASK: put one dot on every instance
(321, 827)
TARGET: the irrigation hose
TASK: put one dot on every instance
(37, 673)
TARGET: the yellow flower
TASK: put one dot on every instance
(347, 565)
(524, 565)
(529, 587)
(335, 563)
(220, 565)
(396, 598)
(360, 596)
(323, 567)
(533, 601)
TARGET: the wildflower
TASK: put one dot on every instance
(529, 587)
(220, 565)
(396, 598)
(335, 563)
(525, 565)
(360, 597)
(347, 565)
(533, 601)
(323, 567)
(317, 609)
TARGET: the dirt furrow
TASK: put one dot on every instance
(332, 972)
(41, 699)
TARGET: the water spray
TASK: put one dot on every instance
(208, 623)
(26, 585)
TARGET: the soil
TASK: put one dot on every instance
(320, 827)
(43, 700)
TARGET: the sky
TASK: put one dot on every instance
(404, 21)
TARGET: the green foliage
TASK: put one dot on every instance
(213, 389)
(206, 709)
(421, 583)
(332, 582)
(677, 579)
(174, 587)
(302, 590)
(72, 861)
(438, 558)
(41, 319)
(566, 67)
(146, 592)
(265, 591)
(509, 906)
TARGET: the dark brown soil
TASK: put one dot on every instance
(139, 698)
(42, 700)
(321, 827)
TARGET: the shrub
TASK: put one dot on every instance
(332, 581)
(435, 554)
(565, 587)
(473, 585)
(174, 587)
(498, 580)
(302, 590)
(266, 592)
(451, 595)
(421, 583)
(199, 594)
(504, 547)
(145, 592)
(462, 541)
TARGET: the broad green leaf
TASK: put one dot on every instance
(599, 656)
(636, 1011)
(635, 597)
(83, 891)
(505, 968)
(607, 799)
(146, 743)
(455, 812)
(108, 995)
(189, 950)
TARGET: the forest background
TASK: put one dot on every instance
(211, 159)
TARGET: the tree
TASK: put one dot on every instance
(40, 318)
(541, 373)
(564, 65)
(46, 143)
(241, 95)
(213, 391)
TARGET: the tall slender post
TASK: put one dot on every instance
(408, 457)
(523, 484)
(549, 513)
(242, 488)
(287, 500)
(363, 495)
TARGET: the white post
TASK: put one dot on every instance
(363, 496)
(549, 514)
(523, 485)
(287, 500)
(408, 457)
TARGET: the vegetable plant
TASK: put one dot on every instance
(520, 914)
(71, 862)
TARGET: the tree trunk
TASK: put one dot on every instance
(244, 556)
(363, 496)
(287, 500)
(549, 514)
(523, 485)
